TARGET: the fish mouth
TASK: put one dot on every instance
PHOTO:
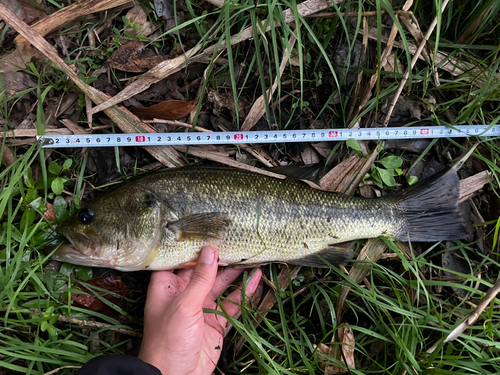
(84, 248)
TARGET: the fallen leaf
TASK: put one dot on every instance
(124, 57)
(125, 120)
(17, 60)
(137, 16)
(309, 156)
(393, 64)
(332, 179)
(130, 58)
(323, 148)
(24, 10)
(367, 192)
(8, 157)
(169, 110)
(342, 351)
(15, 82)
(49, 214)
(165, 9)
(113, 284)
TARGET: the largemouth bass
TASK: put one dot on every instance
(162, 220)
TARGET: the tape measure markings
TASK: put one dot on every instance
(272, 136)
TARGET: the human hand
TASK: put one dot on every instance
(178, 337)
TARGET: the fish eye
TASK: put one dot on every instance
(150, 200)
(86, 215)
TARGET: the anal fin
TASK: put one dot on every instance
(331, 254)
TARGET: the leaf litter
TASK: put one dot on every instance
(268, 98)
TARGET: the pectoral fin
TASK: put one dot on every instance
(211, 224)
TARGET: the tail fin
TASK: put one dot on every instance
(431, 209)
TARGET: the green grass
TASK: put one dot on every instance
(403, 308)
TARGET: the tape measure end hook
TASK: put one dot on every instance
(43, 141)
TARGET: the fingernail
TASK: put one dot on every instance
(207, 255)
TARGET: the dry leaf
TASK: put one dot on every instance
(129, 58)
(166, 9)
(24, 10)
(136, 15)
(393, 64)
(323, 148)
(344, 351)
(50, 214)
(294, 60)
(169, 110)
(114, 284)
(124, 57)
(367, 192)
(351, 189)
(18, 59)
(333, 179)
(7, 157)
(15, 82)
(309, 156)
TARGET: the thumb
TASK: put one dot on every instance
(203, 278)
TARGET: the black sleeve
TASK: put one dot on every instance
(117, 365)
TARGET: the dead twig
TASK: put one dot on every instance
(98, 325)
(471, 319)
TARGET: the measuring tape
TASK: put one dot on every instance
(268, 136)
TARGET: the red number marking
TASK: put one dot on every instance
(238, 137)
(424, 131)
(333, 134)
(140, 138)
